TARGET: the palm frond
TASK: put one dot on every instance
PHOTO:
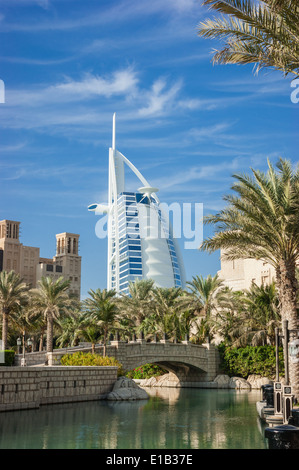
(264, 33)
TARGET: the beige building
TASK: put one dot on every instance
(66, 262)
(14, 255)
(239, 274)
(26, 260)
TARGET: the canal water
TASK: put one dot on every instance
(170, 419)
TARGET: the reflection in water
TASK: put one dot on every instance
(170, 419)
(170, 394)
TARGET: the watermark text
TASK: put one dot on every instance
(175, 220)
(295, 93)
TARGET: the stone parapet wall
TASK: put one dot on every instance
(39, 358)
(190, 362)
(31, 387)
(32, 359)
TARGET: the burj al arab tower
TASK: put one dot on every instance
(141, 244)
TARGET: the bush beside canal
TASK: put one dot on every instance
(146, 372)
(88, 359)
(242, 362)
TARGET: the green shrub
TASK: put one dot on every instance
(89, 359)
(242, 362)
(9, 357)
(146, 372)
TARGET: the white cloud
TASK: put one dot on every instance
(158, 98)
(11, 148)
(209, 131)
(195, 103)
(117, 12)
(30, 61)
(92, 96)
(184, 5)
(197, 173)
(121, 82)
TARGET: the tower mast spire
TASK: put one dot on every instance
(113, 132)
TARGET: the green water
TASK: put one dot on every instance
(170, 419)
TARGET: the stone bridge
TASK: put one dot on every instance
(189, 363)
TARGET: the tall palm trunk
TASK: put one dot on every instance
(287, 287)
(41, 339)
(105, 342)
(49, 333)
(4, 328)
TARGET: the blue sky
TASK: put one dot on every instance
(187, 125)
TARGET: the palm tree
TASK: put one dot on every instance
(204, 293)
(149, 326)
(201, 299)
(249, 317)
(13, 294)
(36, 313)
(183, 322)
(262, 222)
(231, 319)
(71, 328)
(92, 334)
(262, 306)
(39, 322)
(135, 307)
(265, 33)
(51, 296)
(24, 322)
(101, 310)
(164, 309)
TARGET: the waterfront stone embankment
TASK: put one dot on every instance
(126, 389)
(31, 387)
(253, 382)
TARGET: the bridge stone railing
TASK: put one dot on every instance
(190, 363)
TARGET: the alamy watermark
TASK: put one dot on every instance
(295, 93)
(2, 91)
(173, 220)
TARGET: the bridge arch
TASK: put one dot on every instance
(188, 362)
(184, 372)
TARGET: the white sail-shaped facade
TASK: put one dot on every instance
(140, 239)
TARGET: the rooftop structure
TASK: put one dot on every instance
(26, 260)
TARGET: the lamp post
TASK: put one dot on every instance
(19, 342)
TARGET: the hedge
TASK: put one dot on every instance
(242, 362)
(89, 359)
(146, 372)
(9, 357)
